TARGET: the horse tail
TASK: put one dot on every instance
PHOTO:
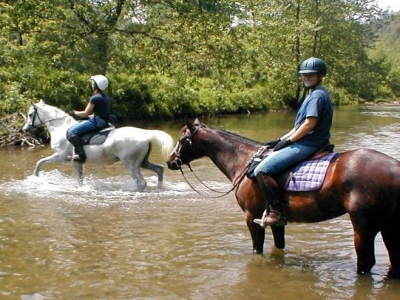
(163, 140)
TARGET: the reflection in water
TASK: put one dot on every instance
(104, 240)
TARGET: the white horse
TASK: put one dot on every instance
(129, 145)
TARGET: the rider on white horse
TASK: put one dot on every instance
(98, 110)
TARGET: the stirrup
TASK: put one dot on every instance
(263, 221)
(281, 222)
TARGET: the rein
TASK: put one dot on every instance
(186, 141)
(40, 120)
(223, 193)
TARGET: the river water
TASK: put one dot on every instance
(104, 240)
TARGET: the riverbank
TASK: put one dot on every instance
(11, 133)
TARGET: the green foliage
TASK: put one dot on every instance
(386, 54)
(168, 59)
(12, 100)
(161, 97)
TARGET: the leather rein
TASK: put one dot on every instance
(183, 143)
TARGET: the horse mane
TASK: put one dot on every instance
(56, 109)
(237, 136)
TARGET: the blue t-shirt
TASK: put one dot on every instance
(102, 105)
(317, 104)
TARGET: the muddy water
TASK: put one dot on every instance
(104, 240)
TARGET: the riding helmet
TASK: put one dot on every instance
(101, 81)
(313, 65)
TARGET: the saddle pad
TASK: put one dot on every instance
(309, 175)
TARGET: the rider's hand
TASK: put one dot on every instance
(273, 143)
(282, 144)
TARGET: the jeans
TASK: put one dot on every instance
(284, 158)
(93, 124)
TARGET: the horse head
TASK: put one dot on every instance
(186, 149)
(40, 114)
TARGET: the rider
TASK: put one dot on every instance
(98, 110)
(311, 132)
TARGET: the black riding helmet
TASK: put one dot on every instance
(313, 65)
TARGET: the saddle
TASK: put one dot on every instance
(96, 137)
(305, 176)
(322, 152)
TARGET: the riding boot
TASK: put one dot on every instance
(274, 214)
(79, 155)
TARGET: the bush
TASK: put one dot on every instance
(12, 100)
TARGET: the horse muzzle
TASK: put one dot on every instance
(27, 127)
(174, 164)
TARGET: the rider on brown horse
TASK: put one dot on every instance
(311, 132)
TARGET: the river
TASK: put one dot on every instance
(104, 240)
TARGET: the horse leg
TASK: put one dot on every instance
(140, 182)
(133, 159)
(278, 233)
(146, 164)
(257, 234)
(78, 171)
(137, 176)
(364, 242)
(158, 169)
(391, 238)
(46, 160)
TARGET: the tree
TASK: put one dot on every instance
(171, 58)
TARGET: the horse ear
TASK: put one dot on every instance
(190, 124)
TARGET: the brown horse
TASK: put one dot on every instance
(363, 183)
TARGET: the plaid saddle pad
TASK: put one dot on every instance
(309, 175)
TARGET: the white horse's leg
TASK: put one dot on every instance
(139, 180)
(133, 159)
(141, 183)
(78, 171)
(137, 176)
(46, 160)
(146, 164)
(159, 169)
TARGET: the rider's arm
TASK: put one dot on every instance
(307, 126)
(287, 135)
(85, 113)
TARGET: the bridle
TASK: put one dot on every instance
(185, 142)
(181, 145)
(36, 115)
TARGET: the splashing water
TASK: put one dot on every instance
(93, 191)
